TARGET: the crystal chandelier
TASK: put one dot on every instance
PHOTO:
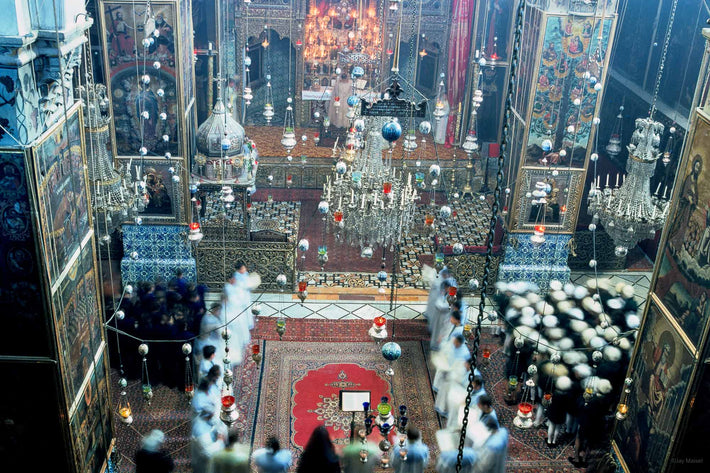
(369, 199)
(111, 197)
(629, 212)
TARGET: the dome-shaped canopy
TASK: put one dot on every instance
(211, 133)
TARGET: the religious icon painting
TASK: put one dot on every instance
(139, 46)
(557, 209)
(62, 187)
(660, 372)
(162, 197)
(683, 281)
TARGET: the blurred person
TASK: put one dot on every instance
(234, 458)
(494, 452)
(203, 400)
(456, 398)
(206, 440)
(353, 453)
(208, 355)
(151, 458)
(413, 457)
(447, 461)
(272, 458)
(557, 410)
(439, 317)
(319, 454)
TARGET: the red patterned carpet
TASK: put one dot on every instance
(302, 380)
(295, 388)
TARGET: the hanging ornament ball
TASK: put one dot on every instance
(672, 130)
(425, 127)
(597, 356)
(366, 252)
(570, 129)
(143, 151)
(556, 357)
(145, 114)
(445, 211)
(473, 284)
(391, 351)
(160, 92)
(577, 102)
(156, 64)
(304, 138)
(592, 227)
(225, 144)
(145, 78)
(163, 116)
(592, 80)
(457, 248)
(392, 130)
(507, 190)
(146, 42)
(143, 349)
(341, 167)
(256, 309)
(358, 71)
(434, 170)
(563, 153)
(168, 155)
(598, 86)
(323, 207)
(353, 100)
(122, 383)
(592, 263)
(281, 280)
(176, 178)
(621, 251)
(519, 342)
(555, 172)
(303, 245)
(120, 314)
(482, 62)
(382, 276)
(532, 370)
(547, 146)
(270, 178)
(186, 349)
(166, 138)
(134, 254)
(139, 221)
(128, 289)
(359, 125)
(596, 120)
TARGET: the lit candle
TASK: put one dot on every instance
(617, 179)
(653, 214)
(607, 181)
(658, 188)
(665, 190)
(352, 196)
(362, 205)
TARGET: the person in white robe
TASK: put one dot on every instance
(210, 334)
(453, 352)
(494, 452)
(413, 457)
(456, 397)
(447, 461)
(272, 458)
(440, 318)
(206, 440)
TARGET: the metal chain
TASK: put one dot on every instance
(659, 76)
(492, 225)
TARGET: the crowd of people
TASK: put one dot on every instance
(572, 396)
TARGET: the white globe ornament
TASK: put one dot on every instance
(166, 138)
(303, 245)
(160, 92)
(143, 151)
(156, 64)
(341, 167)
(323, 207)
(281, 280)
(592, 263)
(163, 116)
(473, 284)
(445, 211)
(457, 248)
(594, 156)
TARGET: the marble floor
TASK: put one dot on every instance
(275, 304)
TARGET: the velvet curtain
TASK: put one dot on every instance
(459, 49)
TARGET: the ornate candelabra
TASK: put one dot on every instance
(629, 212)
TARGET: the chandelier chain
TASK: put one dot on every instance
(491, 229)
(659, 76)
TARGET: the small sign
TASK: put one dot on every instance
(393, 106)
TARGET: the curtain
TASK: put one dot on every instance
(459, 48)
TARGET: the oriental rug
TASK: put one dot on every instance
(527, 450)
(301, 384)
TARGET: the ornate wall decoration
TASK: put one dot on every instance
(62, 186)
(470, 266)
(562, 203)
(153, 252)
(20, 297)
(683, 283)
(91, 422)
(165, 196)
(215, 261)
(660, 370)
(565, 95)
(128, 60)
(76, 309)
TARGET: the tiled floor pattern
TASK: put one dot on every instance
(282, 304)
